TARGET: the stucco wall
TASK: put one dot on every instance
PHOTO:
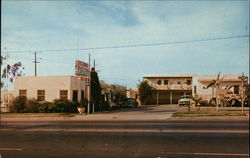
(211, 92)
(51, 84)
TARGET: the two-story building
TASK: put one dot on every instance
(169, 89)
(6, 99)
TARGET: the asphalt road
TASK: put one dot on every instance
(125, 139)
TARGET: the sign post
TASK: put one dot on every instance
(83, 69)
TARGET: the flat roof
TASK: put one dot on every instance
(226, 76)
(165, 76)
(49, 76)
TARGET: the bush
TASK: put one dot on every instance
(18, 104)
(64, 105)
(32, 106)
(84, 103)
(104, 106)
(47, 107)
(21, 105)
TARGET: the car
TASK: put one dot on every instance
(113, 105)
(129, 102)
(185, 100)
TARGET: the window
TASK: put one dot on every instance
(179, 82)
(82, 95)
(165, 82)
(195, 88)
(188, 82)
(159, 82)
(75, 96)
(40, 95)
(63, 94)
(236, 89)
(23, 93)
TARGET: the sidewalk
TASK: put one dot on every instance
(143, 113)
(147, 112)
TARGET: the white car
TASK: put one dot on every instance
(185, 100)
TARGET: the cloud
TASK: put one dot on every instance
(42, 25)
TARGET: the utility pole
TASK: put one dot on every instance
(36, 61)
(93, 102)
(217, 99)
(243, 79)
(217, 88)
(89, 87)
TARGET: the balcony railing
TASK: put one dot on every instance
(172, 87)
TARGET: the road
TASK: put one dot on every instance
(171, 138)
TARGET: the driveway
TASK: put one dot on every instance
(145, 112)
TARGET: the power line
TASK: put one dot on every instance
(134, 45)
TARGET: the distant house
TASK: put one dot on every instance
(168, 89)
(48, 88)
(6, 99)
(110, 91)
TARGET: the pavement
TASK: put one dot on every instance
(145, 132)
(145, 112)
(125, 139)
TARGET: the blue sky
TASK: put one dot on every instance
(49, 25)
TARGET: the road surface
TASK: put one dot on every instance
(146, 132)
(125, 139)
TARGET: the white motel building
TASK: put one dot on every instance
(168, 89)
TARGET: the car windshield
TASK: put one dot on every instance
(185, 96)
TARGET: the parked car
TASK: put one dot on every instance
(113, 106)
(129, 102)
(185, 100)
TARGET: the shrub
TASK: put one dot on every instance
(64, 105)
(47, 107)
(104, 106)
(84, 103)
(204, 103)
(32, 106)
(18, 104)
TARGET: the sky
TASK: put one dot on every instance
(41, 26)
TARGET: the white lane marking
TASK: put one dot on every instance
(135, 130)
(10, 149)
(207, 154)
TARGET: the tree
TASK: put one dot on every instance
(95, 90)
(119, 92)
(144, 92)
(197, 99)
(10, 71)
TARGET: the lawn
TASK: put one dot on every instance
(210, 113)
(39, 114)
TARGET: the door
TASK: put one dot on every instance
(75, 96)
